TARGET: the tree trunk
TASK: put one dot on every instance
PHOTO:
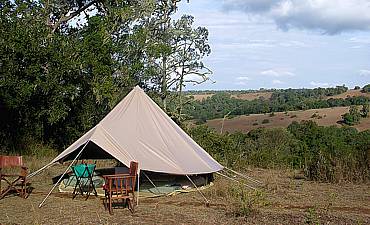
(164, 83)
(181, 82)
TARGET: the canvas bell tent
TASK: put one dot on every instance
(137, 129)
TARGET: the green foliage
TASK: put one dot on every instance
(52, 83)
(353, 117)
(311, 217)
(324, 153)
(59, 78)
(332, 154)
(221, 103)
(366, 88)
(365, 110)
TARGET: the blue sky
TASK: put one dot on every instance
(284, 43)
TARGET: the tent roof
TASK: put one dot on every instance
(138, 129)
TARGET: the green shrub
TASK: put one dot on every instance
(328, 154)
(353, 117)
(366, 88)
(311, 217)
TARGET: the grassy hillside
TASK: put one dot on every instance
(350, 94)
(323, 117)
(267, 95)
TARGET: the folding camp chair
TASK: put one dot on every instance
(84, 179)
(16, 181)
(121, 187)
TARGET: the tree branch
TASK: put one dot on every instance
(72, 15)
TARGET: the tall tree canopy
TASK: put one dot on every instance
(65, 64)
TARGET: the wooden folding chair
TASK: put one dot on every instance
(121, 187)
(16, 181)
(84, 179)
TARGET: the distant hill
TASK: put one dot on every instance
(324, 117)
(267, 95)
(350, 94)
(207, 105)
(243, 96)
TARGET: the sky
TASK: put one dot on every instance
(284, 43)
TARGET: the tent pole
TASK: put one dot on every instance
(245, 176)
(152, 182)
(40, 170)
(207, 202)
(138, 189)
(236, 181)
(61, 177)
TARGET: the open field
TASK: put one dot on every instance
(252, 96)
(280, 200)
(350, 93)
(200, 97)
(324, 117)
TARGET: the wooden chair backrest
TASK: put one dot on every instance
(10, 161)
(133, 168)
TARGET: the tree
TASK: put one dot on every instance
(57, 77)
(366, 88)
(353, 117)
(190, 46)
(174, 51)
(365, 110)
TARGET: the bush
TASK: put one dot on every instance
(365, 110)
(328, 154)
(265, 121)
(243, 202)
(353, 117)
(366, 88)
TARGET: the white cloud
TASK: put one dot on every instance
(277, 73)
(243, 78)
(277, 82)
(241, 83)
(318, 84)
(360, 40)
(328, 16)
(364, 73)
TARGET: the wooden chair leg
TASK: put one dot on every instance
(131, 205)
(110, 206)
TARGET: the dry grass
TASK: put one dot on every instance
(350, 93)
(324, 117)
(200, 97)
(281, 200)
(253, 96)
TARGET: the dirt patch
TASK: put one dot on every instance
(324, 117)
(285, 201)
